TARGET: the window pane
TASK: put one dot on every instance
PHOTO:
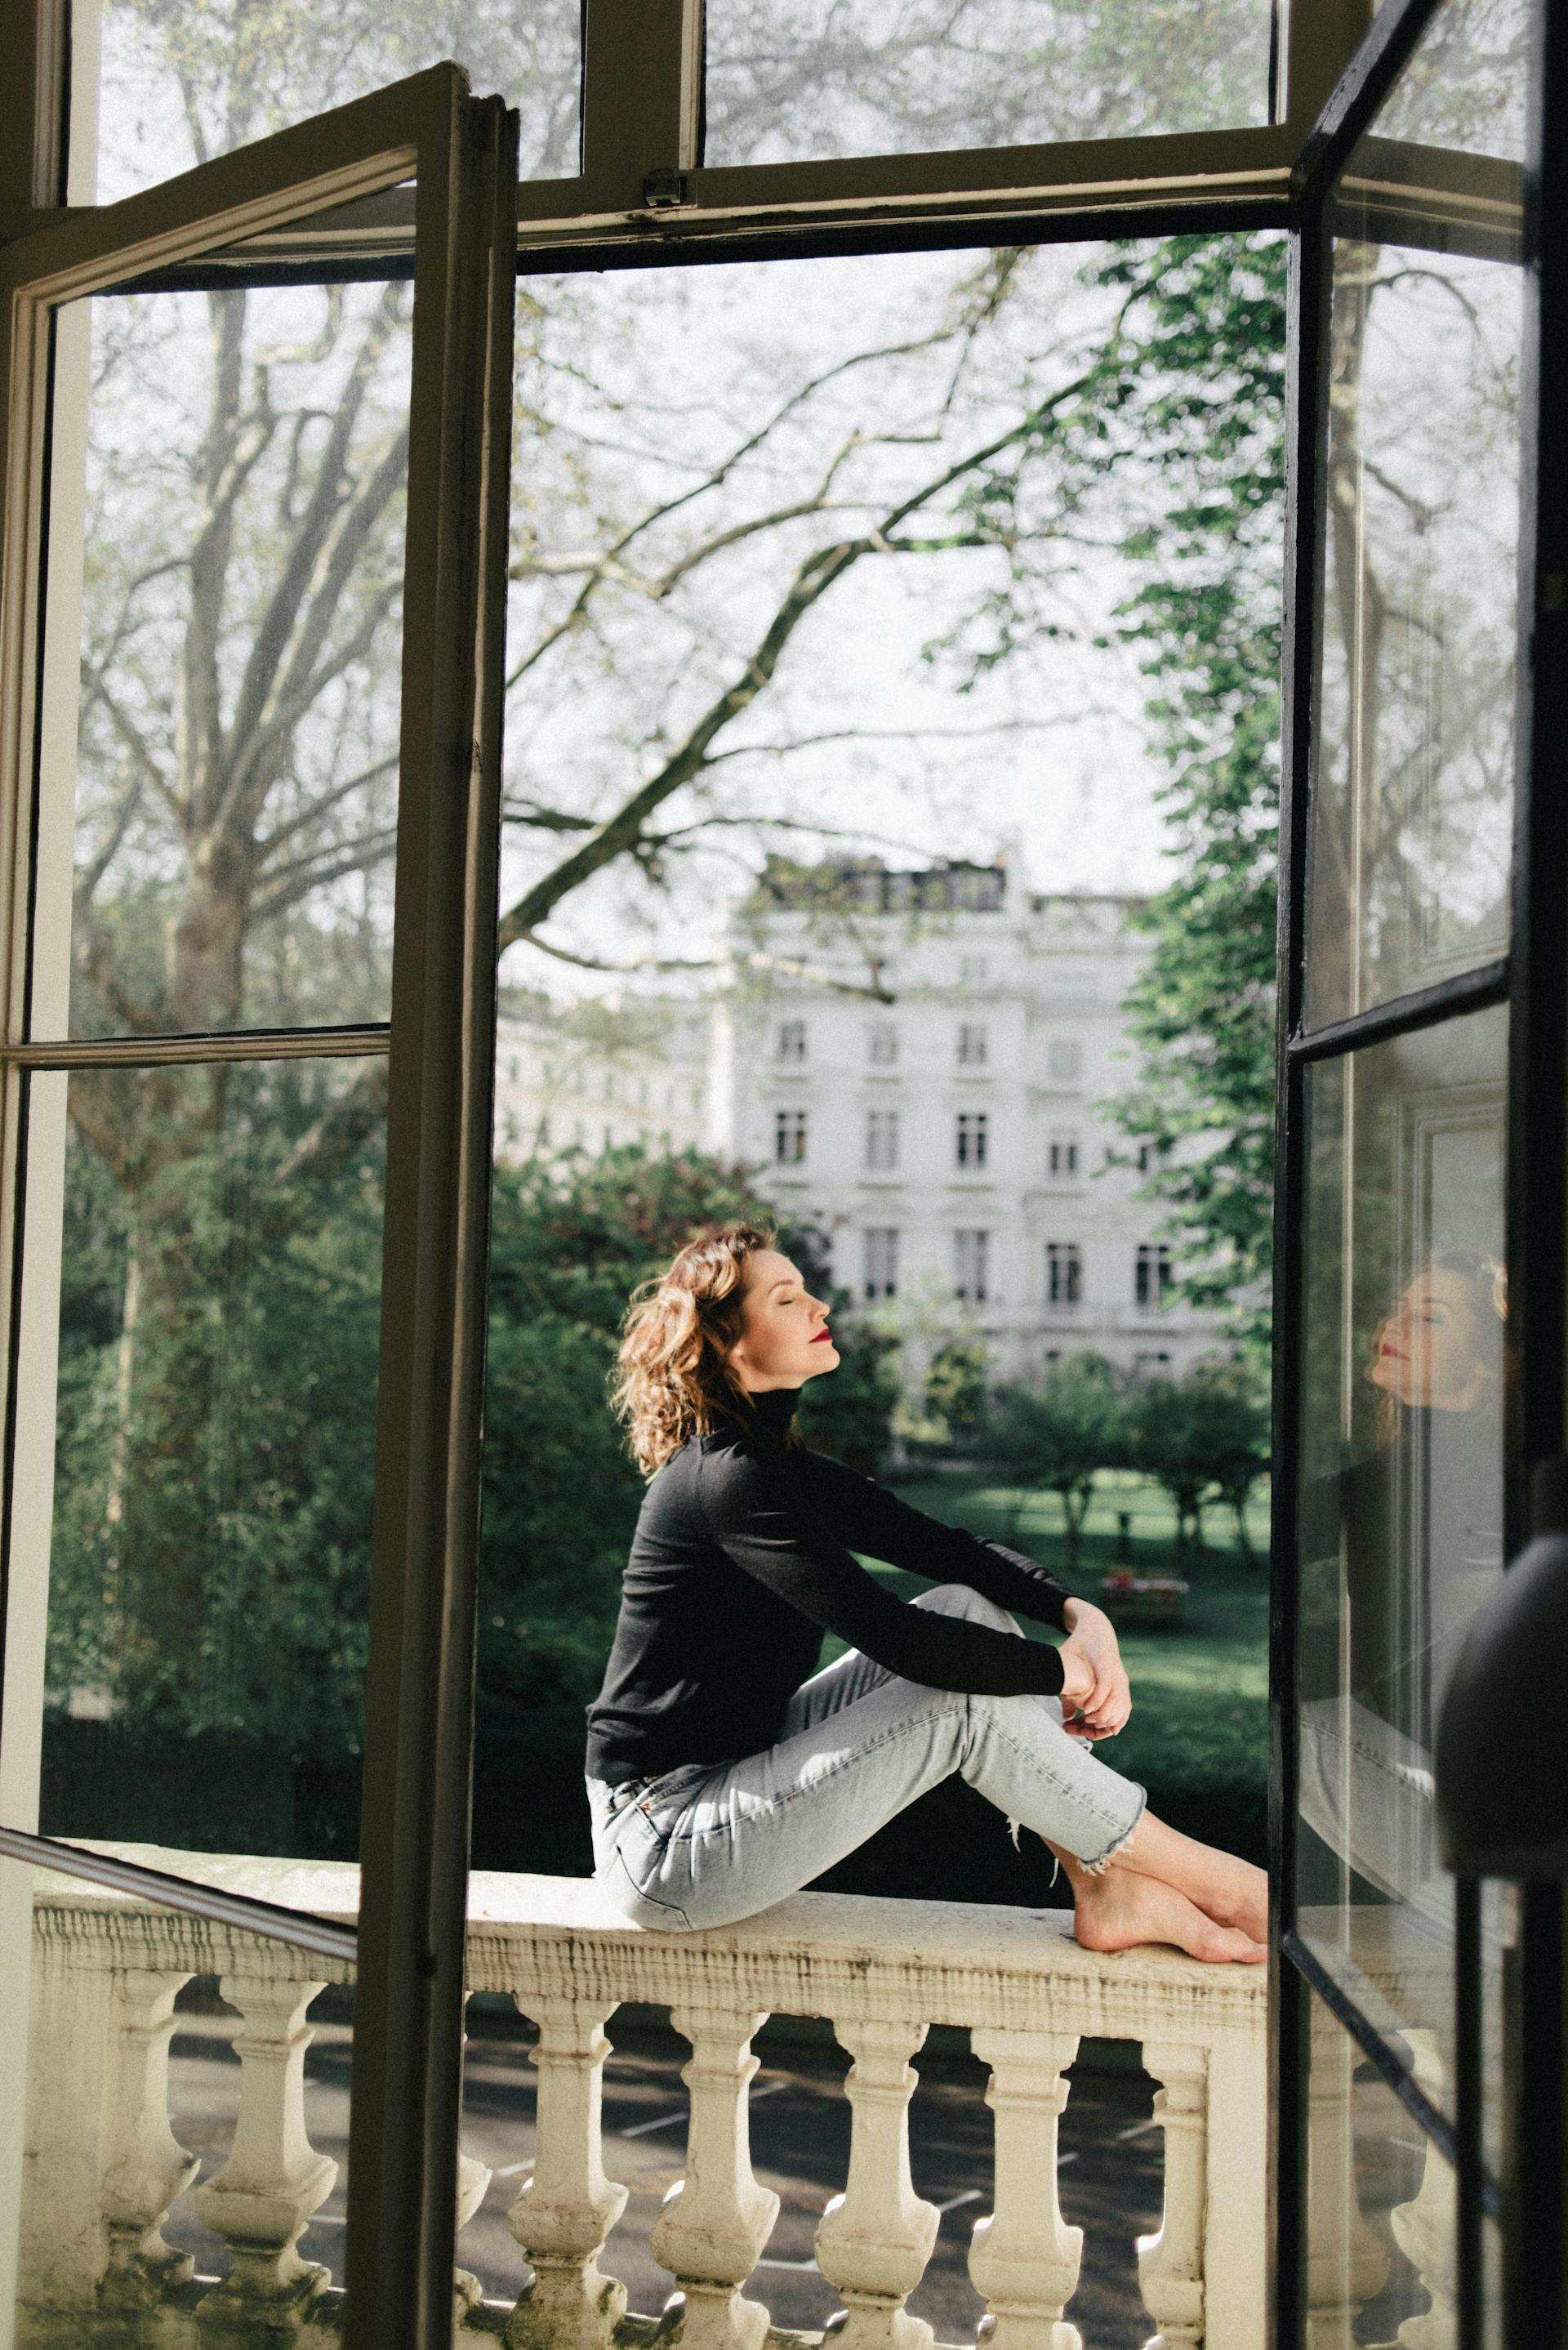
(177, 86)
(869, 78)
(186, 1643)
(236, 734)
(1380, 2211)
(1401, 1498)
(1413, 789)
(148, 2039)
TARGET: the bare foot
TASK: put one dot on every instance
(1121, 1907)
(1224, 1886)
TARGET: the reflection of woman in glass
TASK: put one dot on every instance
(1417, 1525)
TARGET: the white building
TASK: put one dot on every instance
(589, 1077)
(952, 1138)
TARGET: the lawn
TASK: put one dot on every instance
(1197, 1738)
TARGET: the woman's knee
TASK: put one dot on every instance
(957, 1599)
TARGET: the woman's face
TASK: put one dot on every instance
(1430, 1351)
(783, 1338)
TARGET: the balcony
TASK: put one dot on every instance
(104, 2166)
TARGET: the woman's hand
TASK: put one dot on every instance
(1095, 1698)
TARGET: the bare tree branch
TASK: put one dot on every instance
(814, 578)
(791, 966)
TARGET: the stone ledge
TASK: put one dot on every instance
(828, 1954)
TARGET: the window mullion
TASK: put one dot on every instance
(639, 126)
(1318, 38)
(33, 49)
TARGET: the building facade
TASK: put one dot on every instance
(595, 1075)
(921, 1062)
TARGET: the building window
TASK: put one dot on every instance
(971, 1266)
(1151, 1155)
(1053, 1359)
(973, 1132)
(971, 1044)
(1063, 1272)
(789, 1137)
(882, 1140)
(1151, 1367)
(880, 1261)
(1065, 1061)
(1151, 1274)
(791, 1040)
(882, 1043)
(973, 971)
(1064, 1155)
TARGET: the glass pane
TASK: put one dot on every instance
(149, 2040)
(186, 1643)
(871, 78)
(1401, 1496)
(1381, 2207)
(178, 84)
(1413, 790)
(236, 738)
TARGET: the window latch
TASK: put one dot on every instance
(665, 189)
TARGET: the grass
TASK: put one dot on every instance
(1200, 1719)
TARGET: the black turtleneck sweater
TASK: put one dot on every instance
(741, 1561)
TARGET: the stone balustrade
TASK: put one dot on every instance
(104, 2166)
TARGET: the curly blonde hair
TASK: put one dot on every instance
(674, 1380)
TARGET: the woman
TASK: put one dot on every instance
(1403, 1542)
(724, 1772)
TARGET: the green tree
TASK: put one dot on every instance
(1193, 393)
(1057, 1436)
(1202, 1438)
(955, 1388)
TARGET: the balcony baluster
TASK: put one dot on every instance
(876, 2237)
(716, 2221)
(567, 2209)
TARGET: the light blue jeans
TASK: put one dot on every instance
(711, 1843)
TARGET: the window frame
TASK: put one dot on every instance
(641, 187)
(1063, 1272)
(409, 1942)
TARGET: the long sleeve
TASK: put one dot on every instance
(754, 1510)
(867, 1518)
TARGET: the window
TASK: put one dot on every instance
(789, 1137)
(1065, 1061)
(882, 1140)
(882, 1043)
(1152, 1366)
(1052, 1359)
(1064, 1155)
(1151, 1274)
(879, 1260)
(971, 1044)
(971, 1266)
(972, 971)
(1151, 1155)
(1063, 1272)
(972, 1125)
(791, 1040)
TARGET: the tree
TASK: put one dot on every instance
(1196, 384)
(1202, 1437)
(955, 1388)
(1057, 1436)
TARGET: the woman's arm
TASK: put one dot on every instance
(867, 1517)
(753, 1509)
